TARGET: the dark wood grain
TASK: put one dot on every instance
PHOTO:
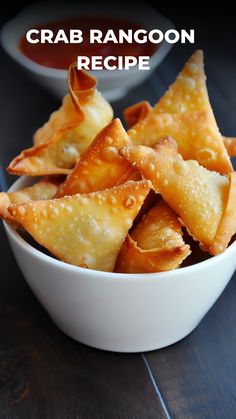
(45, 375)
(197, 376)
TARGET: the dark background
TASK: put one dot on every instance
(44, 374)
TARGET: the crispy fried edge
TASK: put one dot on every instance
(227, 226)
(131, 251)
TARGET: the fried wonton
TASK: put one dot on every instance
(189, 91)
(204, 200)
(230, 145)
(85, 230)
(101, 165)
(184, 113)
(136, 112)
(44, 189)
(196, 133)
(155, 245)
(84, 109)
(69, 131)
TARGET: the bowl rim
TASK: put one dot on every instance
(15, 53)
(115, 275)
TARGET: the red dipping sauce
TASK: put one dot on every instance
(61, 55)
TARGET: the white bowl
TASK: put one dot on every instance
(113, 84)
(122, 312)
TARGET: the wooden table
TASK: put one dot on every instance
(46, 375)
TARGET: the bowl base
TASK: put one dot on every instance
(142, 348)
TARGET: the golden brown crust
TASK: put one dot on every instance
(196, 134)
(74, 142)
(41, 159)
(184, 113)
(43, 189)
(101, 166)
(133, 259)
(230, 145)
(57, 156)
(189, 91)
(81, 85)
(84, 229)
(136, 112)
(81, 90)
(60, 142)
(227, 226)
(199, 197)
(155, 245)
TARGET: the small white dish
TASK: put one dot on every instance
(122, 312)
(113, 84)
